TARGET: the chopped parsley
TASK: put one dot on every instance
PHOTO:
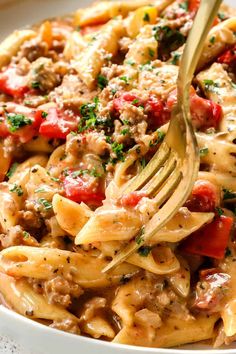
(130, 62)
(44, 114)
(16, 189)
(144, 251)
(151, 52)
(26, 234)
(17, 121)
(160, 137)
(228, 252)
(176, 57)
(135, 101)
(12, 170)
(184, 5)
(102, 81)
(212, 39)
(210, 85)
(92, 172)
(228, 194)
(146, 17)
(125, 131)
(203, 152)
(221, 16)
(40, 190)
(125, 79)
(168, 41)
(219, 211)
(139, 238)
(35, 85)
(118, 150)
(146, 67)
(45, 203)
(88, 114)
(143, 162)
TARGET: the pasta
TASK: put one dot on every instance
(85, 102)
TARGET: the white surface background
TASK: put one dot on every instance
(15, 14)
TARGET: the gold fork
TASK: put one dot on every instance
(171, 173)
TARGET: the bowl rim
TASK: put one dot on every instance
(129, 349)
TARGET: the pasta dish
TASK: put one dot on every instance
(85, 102)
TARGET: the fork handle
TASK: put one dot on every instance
(203, 21)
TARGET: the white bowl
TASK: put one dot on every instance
(31, 335)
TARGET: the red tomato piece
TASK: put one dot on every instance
(228, 57)
(13, 84)
(79, 190)
(193, 5)
(125, 97)
(205, 113)
(211, 240)
(158, 113)
(132, 199)
(204, 197)
(58, 124)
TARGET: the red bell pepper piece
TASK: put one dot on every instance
(13, 84)
(80, 190)
(58, 124)
(211, 240)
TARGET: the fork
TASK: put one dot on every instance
(171, 173)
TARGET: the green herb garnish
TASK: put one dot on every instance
(16, 189)
(203, 152)
(146, 17)
(210, 85)
(125, 79)
(102, 81)
(17, 121)
(35, 85)
(228, 194)
(219, 211)
(12, 170)
(45, 203)
(139, 238)
(175, 59)
(144, 251)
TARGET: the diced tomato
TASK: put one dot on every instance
(204, 197)
(158, 114)
(13, 84)
(193, 5)
(26, 132)
(211, 240)
(58, 124)
(125, 97)
(205, 113)
(80, 190)
(90, 29)
(131, 199)
(228, 57)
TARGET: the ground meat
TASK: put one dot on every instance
(72, 93)
(30, 219)
(67, 325)
(44, 75)
(61, 291)
(91, 307)
(92, 142)
(33, 49)
(13, 237)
